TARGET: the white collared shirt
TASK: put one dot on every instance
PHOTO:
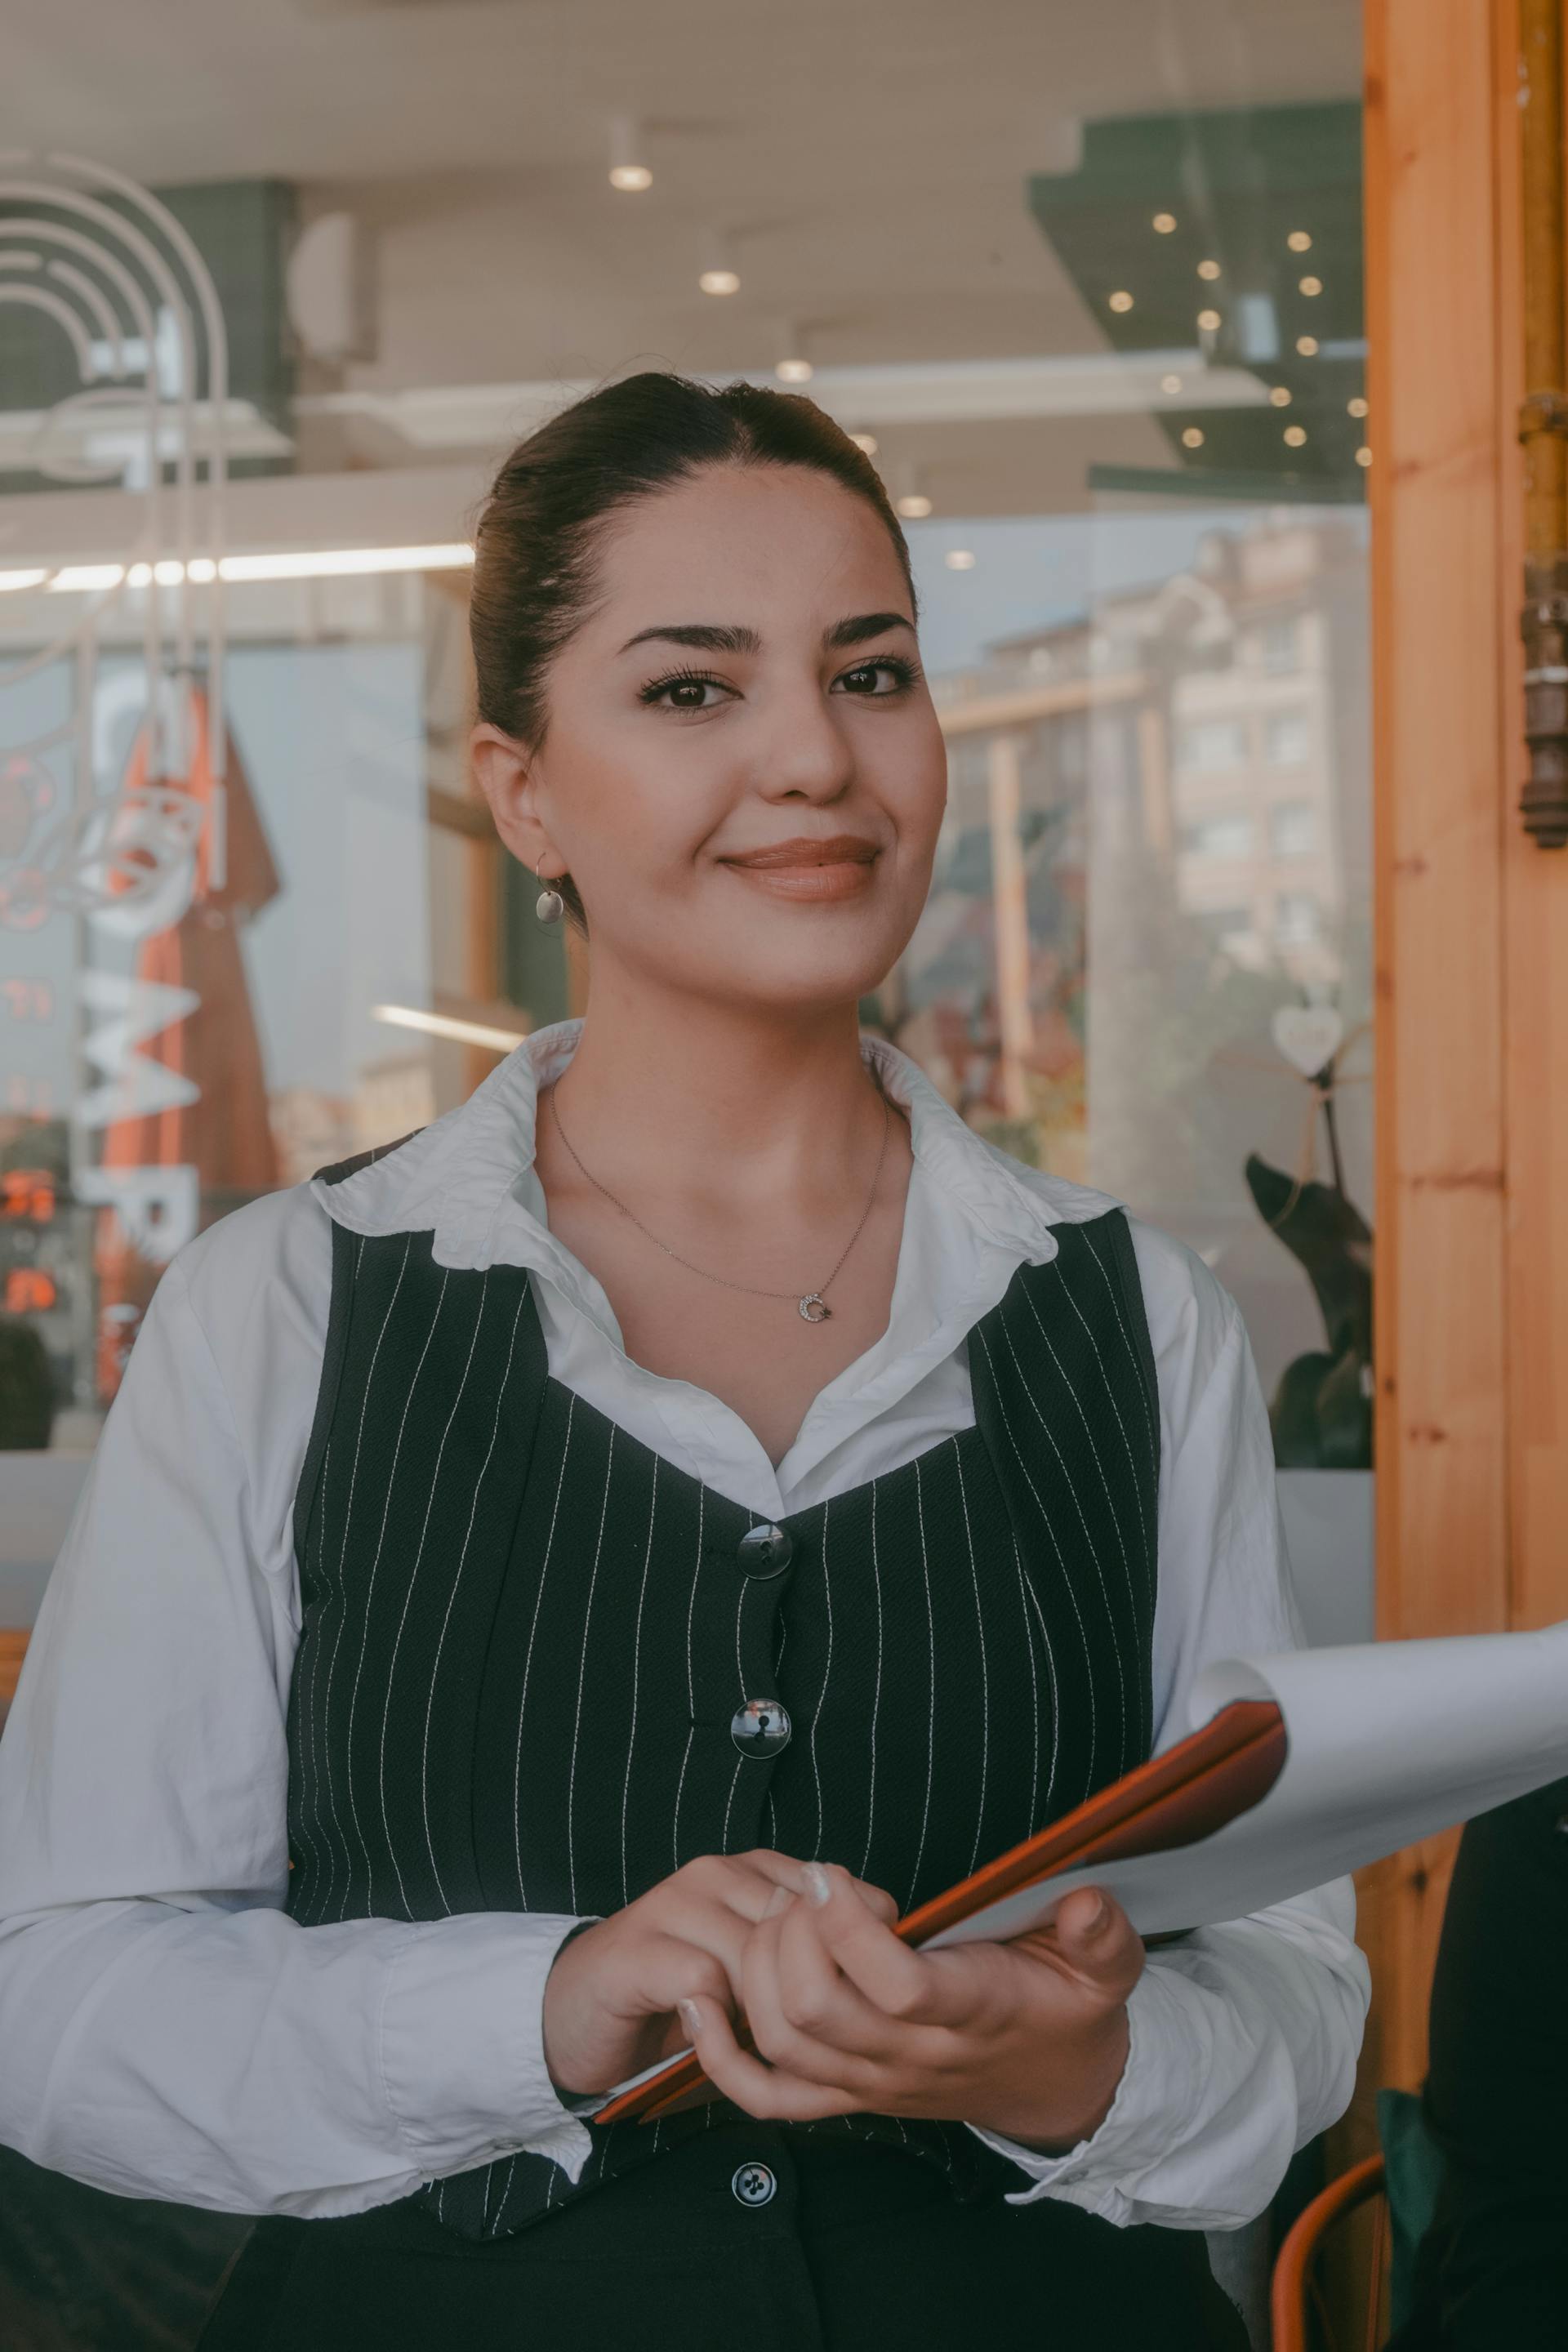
(169, 2032)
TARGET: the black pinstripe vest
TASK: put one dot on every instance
(525, 1636)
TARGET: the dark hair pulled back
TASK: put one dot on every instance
(539, 528)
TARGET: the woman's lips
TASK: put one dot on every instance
(838, 869)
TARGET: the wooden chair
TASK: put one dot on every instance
(1300, 2319)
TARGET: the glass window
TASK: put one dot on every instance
(1211, 743)
(1293, 829)
(1278, 645)
(1218, 836)
(1287, 739)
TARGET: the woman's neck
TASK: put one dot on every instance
(691, 1097)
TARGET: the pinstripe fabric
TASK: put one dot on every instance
(525, 1633)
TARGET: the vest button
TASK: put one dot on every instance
(753, 2184)
(761, 1727)
(762, 1551)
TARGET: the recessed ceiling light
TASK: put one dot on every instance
(1165, 222)
(1356, 407)
(795, 371)
(1208, 320)
(1208, 269)
(720, 282)
(1280, 397)
(1170, 383)
(1193, 438)
(1295, 435)
(1121, 301)
(1298, 241)
(959, 559)
(630, 178)
(1307, 346)
(627, 171)
(914, 508)
(1364, 456)
(1312, 286)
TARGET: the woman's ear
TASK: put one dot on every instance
(504, 775)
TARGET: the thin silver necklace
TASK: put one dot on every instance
(813, 1306)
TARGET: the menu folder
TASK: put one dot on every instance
(1183, 1795)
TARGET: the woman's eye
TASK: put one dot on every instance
(683, 693)
(876, 678)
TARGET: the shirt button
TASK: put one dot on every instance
(760, 1728)
(753, 2184)
(762, 1551)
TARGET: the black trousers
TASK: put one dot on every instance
(751, 2238)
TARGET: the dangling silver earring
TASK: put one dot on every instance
(550, 905)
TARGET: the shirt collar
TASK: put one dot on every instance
(468, 1178)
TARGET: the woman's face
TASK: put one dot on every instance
(742, 770)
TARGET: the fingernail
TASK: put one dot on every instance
(816, 1882)
(691, 2017)
(1101, 1915)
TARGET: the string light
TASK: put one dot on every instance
(1165, 222)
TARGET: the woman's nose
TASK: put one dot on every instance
(806, 751)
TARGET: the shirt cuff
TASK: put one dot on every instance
(462, 2044)
(1137, 2127)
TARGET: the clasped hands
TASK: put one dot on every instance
(1027, 2039)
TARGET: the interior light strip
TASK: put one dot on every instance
(442, 1024)
(308, 564)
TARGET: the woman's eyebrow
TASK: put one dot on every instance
(717, 638)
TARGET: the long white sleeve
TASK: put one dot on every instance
(168, 2030)
(1244, 2038)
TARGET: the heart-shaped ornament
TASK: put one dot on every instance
(1308, 1035)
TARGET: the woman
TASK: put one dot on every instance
(566, 1581)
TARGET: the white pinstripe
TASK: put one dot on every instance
(413, 1577)
(1116, 1408)
(307, 1705)
(877, 1688)
(1083, 1523)
(1033, 1599)
(985, 1676)
(1066, 1581)
(528, 1660)
(451, 1598)
(822, 1694)
(931, 1637)
(1077, 1407)
(691, 1693)
(1116, 1310)
(342, 1559)
(583, 1673)
(637, 1676)
(369, 1594)
(1033, 1688)
(734, 1784)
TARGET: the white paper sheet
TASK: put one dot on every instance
(1389, 1742)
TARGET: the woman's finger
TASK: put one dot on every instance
(804, 2015)
(767, 2091)
(1098, 1942)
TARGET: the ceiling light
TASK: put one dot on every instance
(1121, 301)
(795, 371)
(85, 578)
(865, 443)
(304, 563)
(1298, 241)
(200, 569)
(791, 364)
(718, 275)
(1295, 435)
(1193, 438)
(442, 1024)
(1279, 396)
(1356, 407)
(1307, 346)
(1165, 222)
(1208, 269)
(13, 579)
(959, 559)
(1170, 383)
(1208, 320)
(1311, 285)
(627, 171)
(914, 507)
(1364, 456)
(719, 281)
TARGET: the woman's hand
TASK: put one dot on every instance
(1028, 2038)
(611, 1997)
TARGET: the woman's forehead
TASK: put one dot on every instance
(777, 536)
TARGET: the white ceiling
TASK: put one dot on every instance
(868, 156)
